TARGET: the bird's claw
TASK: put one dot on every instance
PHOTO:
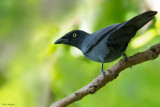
(102, 72)
(125, 57)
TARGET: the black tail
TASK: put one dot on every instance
(127, 30)
(140, 20)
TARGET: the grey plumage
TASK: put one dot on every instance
(109, 43)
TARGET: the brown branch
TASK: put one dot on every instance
(112, 73)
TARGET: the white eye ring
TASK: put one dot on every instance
(74, 34)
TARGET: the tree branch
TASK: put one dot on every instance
(112, 73)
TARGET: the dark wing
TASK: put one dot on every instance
(127, 30)
(97, 36)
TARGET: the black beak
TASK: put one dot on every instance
(61, 41)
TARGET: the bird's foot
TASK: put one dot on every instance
(125, 57)
(102, 72)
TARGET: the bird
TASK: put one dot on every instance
(107, 44)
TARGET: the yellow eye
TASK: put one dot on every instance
(74, 34)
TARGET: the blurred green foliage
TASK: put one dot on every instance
(34, 72)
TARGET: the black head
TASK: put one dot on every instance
(74, 38)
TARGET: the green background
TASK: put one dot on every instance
(34, 72)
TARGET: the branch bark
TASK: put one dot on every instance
(100, 81)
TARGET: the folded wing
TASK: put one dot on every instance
(97, 36)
